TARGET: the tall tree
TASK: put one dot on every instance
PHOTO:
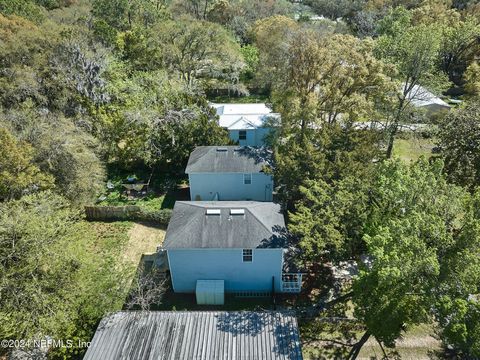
(18, 172)
(36, 272)
(458, 306)
(414, 50)
(412, 226)
(197, 51)
(328, 78)
(271, 36)
(459, 142)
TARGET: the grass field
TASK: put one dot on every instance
(410, 148)
(419, 343)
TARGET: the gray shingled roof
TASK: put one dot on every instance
(236, 159)
(262, 225)
(197, 335)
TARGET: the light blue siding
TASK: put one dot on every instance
(230, 186)
(189, 265)
(255, 137)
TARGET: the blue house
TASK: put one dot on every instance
(241, 243)
(247, 124)
(229, 173)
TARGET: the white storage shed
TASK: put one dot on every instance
(210, 292)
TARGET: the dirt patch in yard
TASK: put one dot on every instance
(143, 239)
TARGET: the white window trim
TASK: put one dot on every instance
(251, 178)
(248, 262)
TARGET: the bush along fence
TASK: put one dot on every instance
(127, 213)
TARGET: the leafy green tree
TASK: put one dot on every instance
(326, 84)
(472, 79)
(329, 220)
(242, 15)
(53, 268)
(460, 321)
(331, 77)
(199, 9)
(196, 50)
(251, 58)
(458, 305)
(412, 225)
(328, 154)
(125, 14)
(271, 36)
(414, 51)
(334, 9)
(24, 8)
(458, 141)
(68, 154)
(460, 47)
(395, 22)
(36, 267)
(24, 52)
(162, 133)
(18, 172)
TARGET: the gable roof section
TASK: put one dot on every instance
(227, 159)
(261, 226)
(420, 97)
(202, 335)
(242, 123)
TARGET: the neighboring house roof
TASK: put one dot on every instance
(228, 159)
(243, 116)
(421, 97)
(202, 335)
(211, 224)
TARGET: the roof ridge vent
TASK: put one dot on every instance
(213, 212)
(237, 211)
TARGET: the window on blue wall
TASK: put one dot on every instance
(247, 179)
(247, 255)
(242, 135)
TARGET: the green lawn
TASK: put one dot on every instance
(410, 148)
(417, 343)
(162, 193)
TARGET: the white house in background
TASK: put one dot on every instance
(422, 98)
(229, 173)
(240, 243)
(246, 123)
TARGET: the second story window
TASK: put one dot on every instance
(247, 179)
(247, 255)
(242, 135)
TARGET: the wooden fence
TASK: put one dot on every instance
(127, 213)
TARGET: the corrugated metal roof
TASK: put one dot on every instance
(205, 335)
(190, 227)
(227, 159)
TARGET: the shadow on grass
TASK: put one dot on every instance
(177, 193)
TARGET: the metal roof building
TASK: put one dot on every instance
(422, 98)
(243, 116)
(196, 335)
